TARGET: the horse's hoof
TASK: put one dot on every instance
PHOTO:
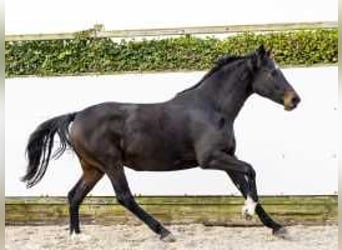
(168, 238)
(281, 233)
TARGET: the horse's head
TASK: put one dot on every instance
(270, 82)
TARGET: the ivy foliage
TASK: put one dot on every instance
(84, 55)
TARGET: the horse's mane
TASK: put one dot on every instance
(222, 61)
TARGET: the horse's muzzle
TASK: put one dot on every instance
(291, 100)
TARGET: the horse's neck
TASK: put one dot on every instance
(227, 92)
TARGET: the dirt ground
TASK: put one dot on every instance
(192, 236)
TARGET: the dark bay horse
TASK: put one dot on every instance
(195, 128)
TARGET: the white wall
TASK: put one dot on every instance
(292, 152)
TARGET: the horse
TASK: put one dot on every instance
(193, 129)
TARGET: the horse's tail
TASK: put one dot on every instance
(40, 146)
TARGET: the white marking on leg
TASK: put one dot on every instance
(80, 237)
(74, 236)
(249, 207)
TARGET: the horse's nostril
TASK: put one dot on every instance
(295, 100)
(291, 100)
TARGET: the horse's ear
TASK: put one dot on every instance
(256, 58)
(269, 52)
(261, 50)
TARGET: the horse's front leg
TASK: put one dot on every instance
(222, 161)
(241, 183)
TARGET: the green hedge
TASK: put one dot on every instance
(89, 55)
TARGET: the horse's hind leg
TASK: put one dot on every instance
(89, 178)
(125, 198)
(241, 183)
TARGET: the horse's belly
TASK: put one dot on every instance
(159, 157)
(153, 147)
(150, 165)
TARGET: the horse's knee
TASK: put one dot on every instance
(250, 171)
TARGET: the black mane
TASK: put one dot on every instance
(222, 61)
